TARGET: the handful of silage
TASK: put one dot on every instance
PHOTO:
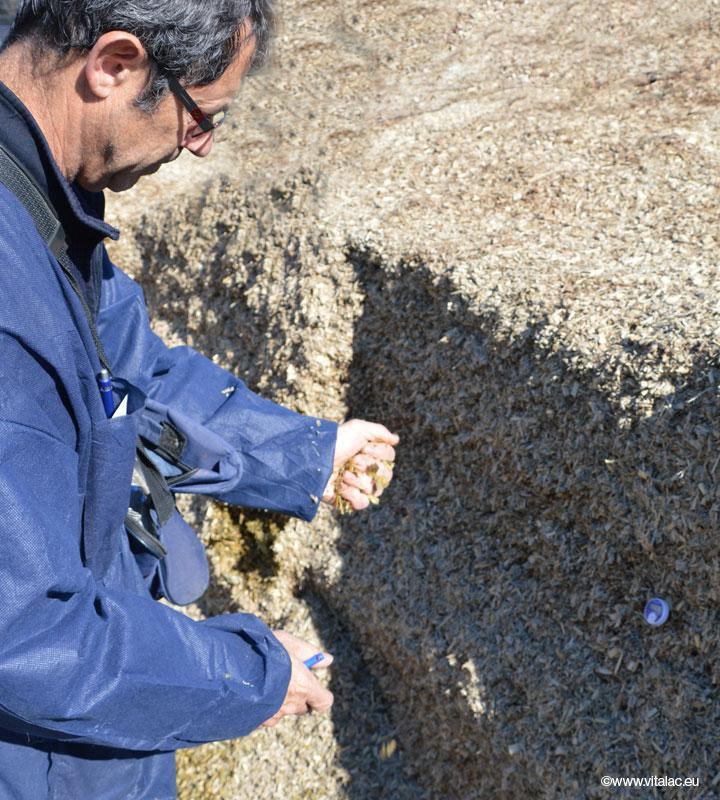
(379, 483)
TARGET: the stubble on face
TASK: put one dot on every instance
(122, 170)
(108, 154)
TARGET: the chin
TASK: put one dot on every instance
(115, 183)
(90, 186)
(121, 183)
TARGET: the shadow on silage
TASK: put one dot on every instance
(496, 593)
(363, 729)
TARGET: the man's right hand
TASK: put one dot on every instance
(305, 693)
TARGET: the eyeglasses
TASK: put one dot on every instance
(207, 124)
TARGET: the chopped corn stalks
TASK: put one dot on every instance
(379, 483)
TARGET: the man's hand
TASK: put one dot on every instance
(305, 693)
(372, 450)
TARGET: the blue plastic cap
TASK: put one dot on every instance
(656, 611)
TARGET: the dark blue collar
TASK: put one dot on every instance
(81, 212)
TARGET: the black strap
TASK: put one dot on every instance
(48, 225)
(162, 497)
(136, 528)
(30, 195)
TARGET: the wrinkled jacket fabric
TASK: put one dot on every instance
(99, 683)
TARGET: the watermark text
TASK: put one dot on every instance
(650, 780)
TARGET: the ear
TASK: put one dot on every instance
(117, 60)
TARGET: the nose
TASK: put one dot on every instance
(200, 146)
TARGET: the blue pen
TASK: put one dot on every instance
(316, 659)
(106, 395)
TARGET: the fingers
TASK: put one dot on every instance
(362, 465)
(385, 475)
(380, 452)
(325, 663)
(370, 476)
(290, 708)
(366, 462)
(315, 697)
(300, 649)
(362, 481)
(357, 434)
(305, 697)
(357, 499)
(308, 694)
(373, 431)
(305, 693)
(320, 700)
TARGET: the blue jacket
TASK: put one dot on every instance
(99, 683)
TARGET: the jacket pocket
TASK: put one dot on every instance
(184, 572)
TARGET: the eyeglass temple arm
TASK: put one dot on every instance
(190, 104)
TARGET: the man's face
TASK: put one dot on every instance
(131, 143)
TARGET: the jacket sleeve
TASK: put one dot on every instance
(274, 458)
(81, 661)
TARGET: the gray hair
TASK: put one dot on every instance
(194, 41)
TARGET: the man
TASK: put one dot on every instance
(100, 684)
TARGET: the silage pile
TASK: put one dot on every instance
(491, 226)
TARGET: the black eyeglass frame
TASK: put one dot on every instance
(205, 122)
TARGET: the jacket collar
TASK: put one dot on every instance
(81, 212)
